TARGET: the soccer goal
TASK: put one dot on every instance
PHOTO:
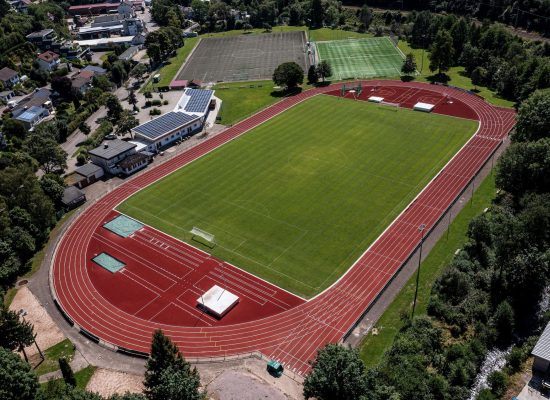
(203, 237)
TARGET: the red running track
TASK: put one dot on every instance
(294, 335)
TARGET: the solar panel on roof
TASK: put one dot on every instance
(164, 124)
(198, 100)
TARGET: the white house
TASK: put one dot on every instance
(166, 129)
(9, 77)
(111, 153)
(48, 61)
(32, 116)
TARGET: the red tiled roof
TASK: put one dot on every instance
(178, 83)
(48, 56)
(92, 6)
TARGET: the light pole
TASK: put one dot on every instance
(421, 229)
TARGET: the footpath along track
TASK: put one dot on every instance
(292, 336)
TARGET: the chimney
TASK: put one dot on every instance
(105, 146)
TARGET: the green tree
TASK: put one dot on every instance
(138, 71)
(324, 70)
(167, 373)
(53, 186)
(178, 383)
(113, 106)
(533, 120)
(18, 381)
(312, 75)
(288, 74)
(337, 373)
(118, 73)
(365, 17)
(85, 128)
(126, 122)
(316, 13)
(478, 76)
(13, 128)
(442, 52)
(503, 323)
(498, 381)
(409, 65)
(132, 98)
(47, 152)
(525, 167)
(15, 334)
(67, 372)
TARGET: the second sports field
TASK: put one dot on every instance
(299, 198)
(361, 58)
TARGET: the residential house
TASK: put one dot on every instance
(97, 71)
(129, 53)
(47, 40)
(48, 61)
(40, 98)
(81, 82)
(21, 6)
(32, 116)
(73, 197)
(6, 95)
(87, 174)
(111, 153)
(9, 77)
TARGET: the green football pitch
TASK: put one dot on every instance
(299, 198)
(361, 58)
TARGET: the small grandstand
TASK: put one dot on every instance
(360, 58)
(243, 58)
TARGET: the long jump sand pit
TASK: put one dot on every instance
(47, 332)
(107, 382)
(244, 57)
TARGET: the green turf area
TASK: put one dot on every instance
(242, 99)
(373, 348)
(361, 58)
(83, 376)
(52, 356)
(299, 198)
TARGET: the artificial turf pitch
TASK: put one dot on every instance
(361, 58)
(299, 198)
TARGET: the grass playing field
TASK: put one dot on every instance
(361, 58)
(299, 198)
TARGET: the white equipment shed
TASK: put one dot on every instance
(218, 301)
(376, 99)
(425, 107)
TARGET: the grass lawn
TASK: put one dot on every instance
(52, 355)
(298, 199)
(458, 78)
(241, 99)
(373, 347)
(83, 376)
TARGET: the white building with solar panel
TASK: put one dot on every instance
(186, 120)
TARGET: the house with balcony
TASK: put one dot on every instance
(48, 61)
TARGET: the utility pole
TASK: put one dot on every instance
(421, 229)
